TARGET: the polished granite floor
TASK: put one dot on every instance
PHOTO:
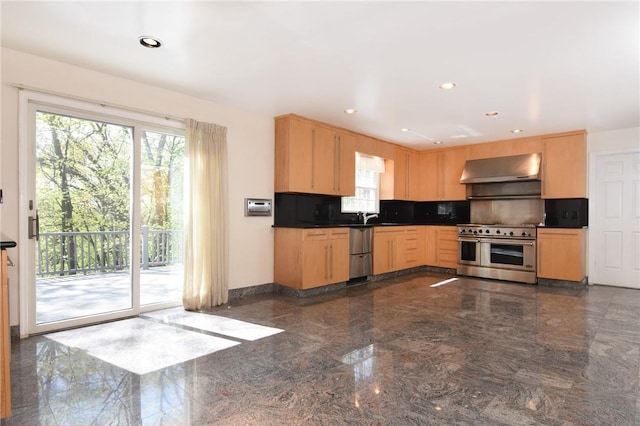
(393, 352)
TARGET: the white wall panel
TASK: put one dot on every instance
(635, 199)
(635, 251)
(613, 169)
(613, 250)
(613, 200)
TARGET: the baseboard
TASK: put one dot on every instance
(239, 293)
(563, 283)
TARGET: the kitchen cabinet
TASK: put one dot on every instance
(451, 164)
(440, 173)
(397, 247)
(413, 248)
(401, 179)
(564, 160)
(387, 249)
(308, 258)
(374, 147)
(441, 246)
(504, 148)
(561, 253)
(430, 245)
(313, 158)
(447, 246)
(5, 352)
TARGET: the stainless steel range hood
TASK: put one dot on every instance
(515, 168)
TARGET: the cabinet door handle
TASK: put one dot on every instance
(339, 163)
(335, 162)
(313, 158)
(331, 262)
(326, 262)
(406, 182)
(393, 253)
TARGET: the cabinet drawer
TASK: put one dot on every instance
(325, 234)
(448, 245)
(411, 243)
(392, 230)
(340, 233)
(315, 234)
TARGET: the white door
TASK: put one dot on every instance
(615, 220)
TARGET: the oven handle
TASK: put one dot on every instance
(463, 240)
(512, 242)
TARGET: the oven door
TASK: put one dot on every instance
(509, 254)
(469, 251)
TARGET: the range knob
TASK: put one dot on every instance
(475, 232)
(524, 234)
(511, 234)
(462, 231)
(486, 231)
(498, 231)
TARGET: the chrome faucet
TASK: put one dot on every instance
(368, 216)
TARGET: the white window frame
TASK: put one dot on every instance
(369, 164)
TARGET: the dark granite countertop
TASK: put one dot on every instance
(360, 225)
(6, 242)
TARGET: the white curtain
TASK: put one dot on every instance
(205, 237)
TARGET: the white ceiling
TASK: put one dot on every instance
(545, 66)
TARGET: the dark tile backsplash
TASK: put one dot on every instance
(295, 210)
(450, 212)
(566, 213)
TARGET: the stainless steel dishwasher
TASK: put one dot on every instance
(360, 260)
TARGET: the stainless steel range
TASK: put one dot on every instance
(504, 252)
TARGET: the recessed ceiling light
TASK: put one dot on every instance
(404, 130)
(437, 142)
(517, 131)
(150, 42)
(447, 86)
(491, 113)
(349, 111)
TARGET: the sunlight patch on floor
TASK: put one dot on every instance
(215, 324)
(141, 346)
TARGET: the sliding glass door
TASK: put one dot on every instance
(161, 189)
(104, 217)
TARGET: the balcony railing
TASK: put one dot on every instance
(75, 253)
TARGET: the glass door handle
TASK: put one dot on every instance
(34, 227)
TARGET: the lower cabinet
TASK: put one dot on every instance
(387, 249)
(562, 253)
(441, 246)
(307, 258)
(397, 247)
(447, 240)
(5, 350)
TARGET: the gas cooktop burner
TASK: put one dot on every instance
(526, 231)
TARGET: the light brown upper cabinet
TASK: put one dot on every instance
(504, 148)
(401, 179)
(375, 147)
(564, 160)
(440, 174)
(313, 158)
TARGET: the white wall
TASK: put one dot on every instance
(614, 140)
(250, 144)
